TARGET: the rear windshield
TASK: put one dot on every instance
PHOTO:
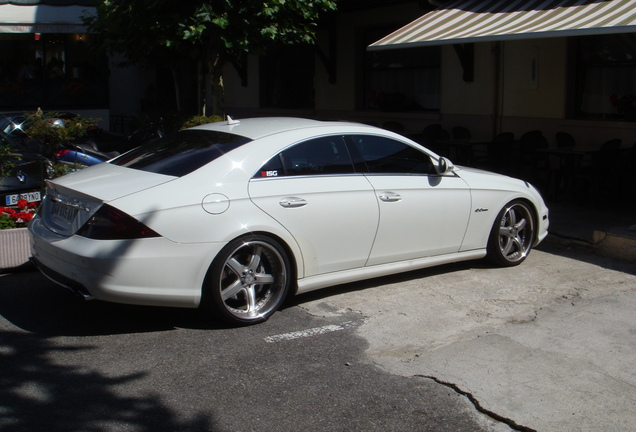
(180, 153)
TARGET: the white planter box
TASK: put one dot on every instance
(15, 249)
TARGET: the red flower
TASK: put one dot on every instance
(22, 217)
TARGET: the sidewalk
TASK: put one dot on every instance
(606, 231)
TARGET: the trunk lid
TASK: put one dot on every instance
(71, 200)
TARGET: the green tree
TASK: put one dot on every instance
(212, 33)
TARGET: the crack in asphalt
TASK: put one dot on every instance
(473, 400)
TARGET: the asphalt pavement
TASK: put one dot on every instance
(67, 365)
(546, 346)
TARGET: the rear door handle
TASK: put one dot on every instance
(390, 197)
(293, 202)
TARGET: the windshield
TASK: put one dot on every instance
(180, 153)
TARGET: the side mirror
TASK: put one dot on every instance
(444, 166)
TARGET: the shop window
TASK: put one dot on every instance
(400, 79)
(52, 71)
(606, 78)
(287, 78)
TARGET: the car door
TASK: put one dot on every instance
(311, 190)
(422, 213)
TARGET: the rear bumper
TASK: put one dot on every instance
(153, 272)
(62, 280)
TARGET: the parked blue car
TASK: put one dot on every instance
(82, 154)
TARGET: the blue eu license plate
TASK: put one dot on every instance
(12, 200)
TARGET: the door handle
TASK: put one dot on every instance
(390, 197)
(293, 202)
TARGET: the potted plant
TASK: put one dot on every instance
(14, 242)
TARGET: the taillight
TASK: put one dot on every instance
(108, 223)
(62, 152)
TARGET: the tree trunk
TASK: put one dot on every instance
(201, 93)
(217, 104)
(177, 88)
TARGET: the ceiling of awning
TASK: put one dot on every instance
(466, 21)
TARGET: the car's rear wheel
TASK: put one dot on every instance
(248, 281)
(512, 234)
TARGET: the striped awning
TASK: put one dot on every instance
(43, 18)
(494, 20)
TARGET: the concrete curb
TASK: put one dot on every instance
(616, 243)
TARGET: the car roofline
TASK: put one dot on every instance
(260, 127)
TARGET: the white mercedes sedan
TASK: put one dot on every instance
(236, 216)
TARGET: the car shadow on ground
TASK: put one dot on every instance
(31, 302)
(553, 248)
(386, 280)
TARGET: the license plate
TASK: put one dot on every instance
(63, 213)
(12, 200)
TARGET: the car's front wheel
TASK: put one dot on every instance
(512, 234)
(248, 281)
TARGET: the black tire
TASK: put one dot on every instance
(512, 234)
(248, 280)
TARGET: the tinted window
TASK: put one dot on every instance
(273, 168)
(384, 155)
(326, 155)
(181, 153)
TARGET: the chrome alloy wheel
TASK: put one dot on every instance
(515, 232)
(512, 235)
(252, 281)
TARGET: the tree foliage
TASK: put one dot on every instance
(164, 32)
(53, 132)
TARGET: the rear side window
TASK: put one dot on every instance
(180, 153)
(318, 156)
(387, 156)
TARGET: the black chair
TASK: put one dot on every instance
(564, 140)
(461, 143)
(599, 179)
(566, 163)
(461, 134)
(437, 139)
(430, 132)
(627, 174)
(606, 170)
(500, 152)
(533, 165)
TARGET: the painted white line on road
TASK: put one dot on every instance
(313, 332)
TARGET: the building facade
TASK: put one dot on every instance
(48, 60)
(582, 82)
